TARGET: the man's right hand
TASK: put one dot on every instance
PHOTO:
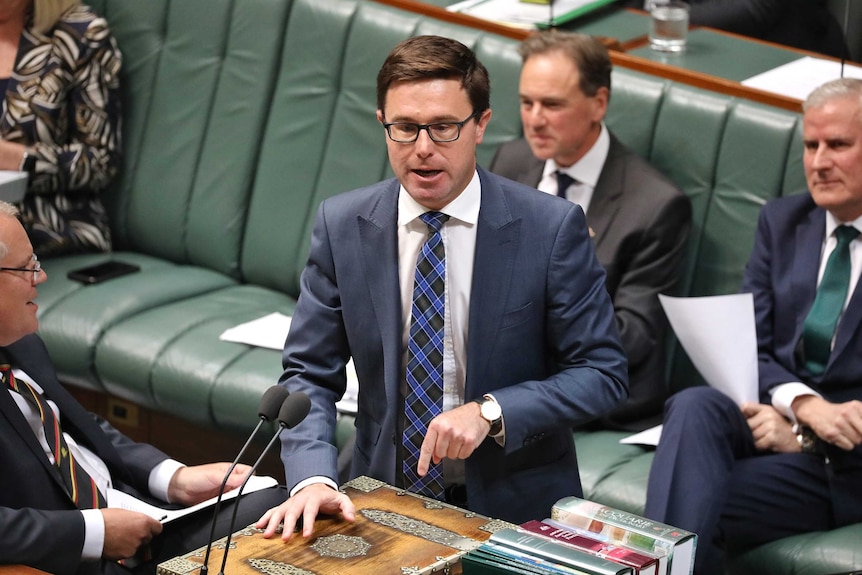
(837, 423)
(126, 531)
(306, 503)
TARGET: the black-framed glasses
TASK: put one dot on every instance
(407, 132)
(35, 270)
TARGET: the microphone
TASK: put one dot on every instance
(293, 410)
(270, 403)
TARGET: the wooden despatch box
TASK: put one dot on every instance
(395, 533)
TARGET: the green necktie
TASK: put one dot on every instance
(819, 327)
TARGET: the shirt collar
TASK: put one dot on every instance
(588, 169)
(465, 207)
(832, 222)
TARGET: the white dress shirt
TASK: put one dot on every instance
(459, 241)
(783, 395)
(94, 524)
(585, 172)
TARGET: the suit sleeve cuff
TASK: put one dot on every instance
(312, 480)
(784, 394)
(94, 535)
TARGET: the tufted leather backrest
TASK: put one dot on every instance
(242, 115)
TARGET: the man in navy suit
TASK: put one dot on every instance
(40, 524)
(792, 463)
(638, 219)
(529, 327)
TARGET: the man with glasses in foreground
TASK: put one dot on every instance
(398, 274)
(58, 461)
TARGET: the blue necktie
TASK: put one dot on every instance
(819, 327)
(424, 400)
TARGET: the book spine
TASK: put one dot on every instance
(641, 563)
(635, 523)
(562, 554)
(608, 533)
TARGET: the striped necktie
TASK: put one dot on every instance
(80, 486)
(424, 400)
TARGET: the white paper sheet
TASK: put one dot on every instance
(646, 437)
(719, 335)
(269, 332)
(122, 500)
(516, 12)
(798, 78)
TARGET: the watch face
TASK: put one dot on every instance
(491, 410)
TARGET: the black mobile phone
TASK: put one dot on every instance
(101, 272)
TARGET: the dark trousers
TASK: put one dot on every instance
(707, 477)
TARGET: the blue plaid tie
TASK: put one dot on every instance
(424, 399)
(819, 327)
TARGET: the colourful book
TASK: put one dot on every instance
(564, 555)
(642, 563)
(674, 546)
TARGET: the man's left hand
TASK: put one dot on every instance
(454, 434)
(771, 430)
(191, 485)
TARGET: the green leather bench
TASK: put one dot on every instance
(242, 115)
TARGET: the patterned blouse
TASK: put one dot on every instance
(63, 101)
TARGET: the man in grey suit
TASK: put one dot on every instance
(521, 279)
(638, 219)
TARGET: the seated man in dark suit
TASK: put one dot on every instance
(792, 463)
(639, 220)
(58, 460)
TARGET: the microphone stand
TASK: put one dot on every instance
(274, 397)
(293, 411)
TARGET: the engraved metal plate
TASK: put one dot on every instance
(419, 528)
(365, 484)
(341, 546)
(178, 565)
(270, 567)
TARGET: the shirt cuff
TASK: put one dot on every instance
(160, 478)
(311, 481)
(783, 396)
(94, 535)
(500, 437)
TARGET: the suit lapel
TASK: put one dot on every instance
(30, 355)
(607, 193)
(532, 173)
(379, 237)
(12, 413)
(497, 239)
(809, 242)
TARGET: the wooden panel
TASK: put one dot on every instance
(394, 532)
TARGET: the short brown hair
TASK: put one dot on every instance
(435, 57)
(587, 52)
